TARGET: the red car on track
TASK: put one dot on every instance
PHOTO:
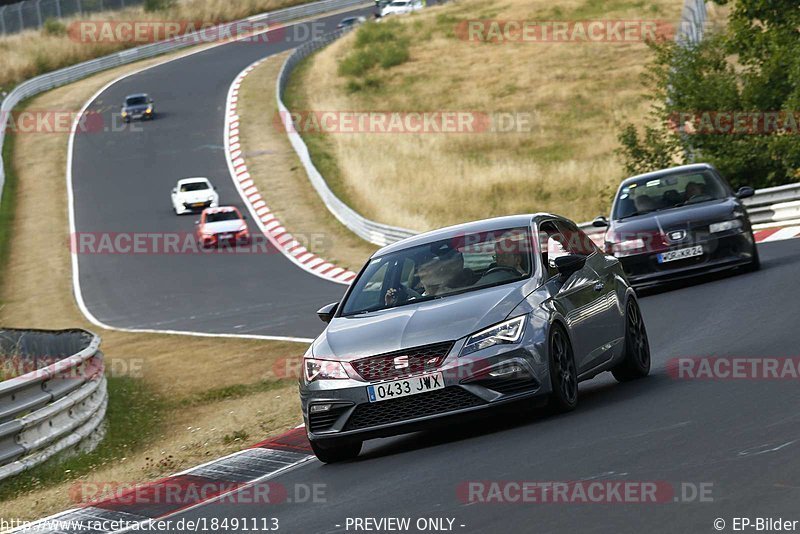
(222, 225)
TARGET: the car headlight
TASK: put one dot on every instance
(149, 109)
(507, 332)
(124, 113)
(323, 370)
(626, 247)
(724, 226)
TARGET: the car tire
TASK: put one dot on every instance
(563, 373)
(636, 363)
(335, 451)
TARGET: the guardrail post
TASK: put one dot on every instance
(3, 19)
(58, 8)
(19, 15)
(39, 12)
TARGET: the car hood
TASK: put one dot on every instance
(223, 226)
(447, 319)
(659, 221)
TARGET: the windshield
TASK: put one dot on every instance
(435, 270)
(222, 216)
(194, 186)
(136, 101)
(656, 194)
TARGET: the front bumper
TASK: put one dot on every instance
(469, 388)
(720, 253)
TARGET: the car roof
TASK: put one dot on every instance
(136, 95)
(694, 167)
(484, 225)
(193, 179)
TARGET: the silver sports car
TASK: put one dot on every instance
(466, 318)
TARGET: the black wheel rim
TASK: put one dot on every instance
(637, 336)
(564, 363)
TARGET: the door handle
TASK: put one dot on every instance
(599, 286)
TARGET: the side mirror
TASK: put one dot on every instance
(197, 222)
(745, 192)
(174, 189)
(600, 222)
(326, 312)
(570, 264)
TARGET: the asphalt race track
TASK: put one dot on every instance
(739, 439)
(740, 436)
(122, 182)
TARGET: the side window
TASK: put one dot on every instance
(551, 246)
(576, 241)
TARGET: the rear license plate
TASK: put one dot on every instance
(680, 254)
(405, 387)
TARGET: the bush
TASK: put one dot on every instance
(383, 45)
(700, 82)
(54, 27)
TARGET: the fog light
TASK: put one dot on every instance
(508, 370)
(318, 408)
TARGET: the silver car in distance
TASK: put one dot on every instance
(452, 322)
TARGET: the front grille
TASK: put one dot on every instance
(405, 408)
(420, 359)
(318, 422)
(509, 385)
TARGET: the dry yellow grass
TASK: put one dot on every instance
(280, 177)
(33, 52)
(37, 292)
(577, 94)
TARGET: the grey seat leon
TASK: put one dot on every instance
(452, 322)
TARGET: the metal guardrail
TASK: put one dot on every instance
(32, 14)
(48, 81)
(374, 232)
(55, 406)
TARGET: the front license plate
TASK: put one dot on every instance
(680, 254)
(405, 387)
(225, 236)
(199, 204)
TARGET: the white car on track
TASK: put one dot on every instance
(193, 194)
(399, 7)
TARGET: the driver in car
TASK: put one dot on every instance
(693, 189)
(436, 275)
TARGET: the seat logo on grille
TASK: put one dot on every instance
(677, 235)
(401, 362)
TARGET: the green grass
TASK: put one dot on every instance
(320, 147)
(133, 419)
(382, 45)
(7, 206)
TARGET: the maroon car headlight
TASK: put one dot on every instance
(314, 369)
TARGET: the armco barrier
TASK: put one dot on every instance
(67, 75)
(762, 207)
(55, 406)
(374, 232)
